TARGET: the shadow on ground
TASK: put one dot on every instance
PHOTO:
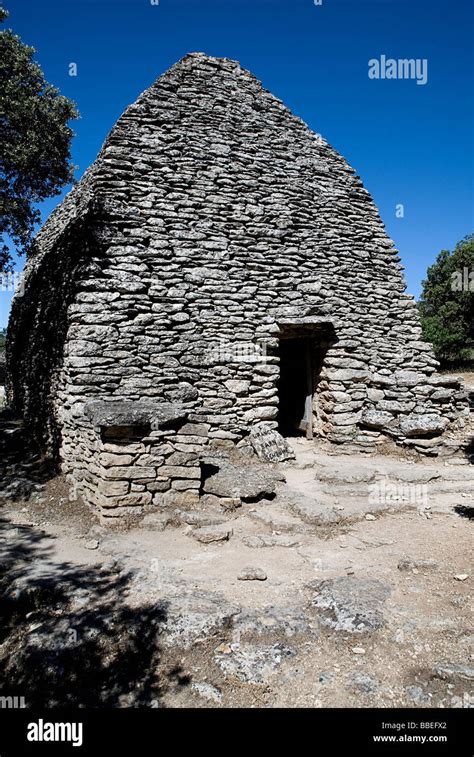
(465, 511)
(23, 469)
(67, 636)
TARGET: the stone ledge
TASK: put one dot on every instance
(113, 413)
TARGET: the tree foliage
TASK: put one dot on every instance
(447, 303)
(35, 142)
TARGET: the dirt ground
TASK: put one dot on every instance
(349, 588)
(365, 600)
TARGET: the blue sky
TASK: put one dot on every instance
(411, 144)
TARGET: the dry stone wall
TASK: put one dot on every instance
(138, 455)
(212, 222)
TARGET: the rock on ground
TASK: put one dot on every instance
(350, 604)
(252, 574)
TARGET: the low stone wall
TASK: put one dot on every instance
(366, 407)
(137, 456)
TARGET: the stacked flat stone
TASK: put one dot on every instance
(139, 455)
(211, 218)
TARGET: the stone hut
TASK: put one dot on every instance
(218, 275)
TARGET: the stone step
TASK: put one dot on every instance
(259, 541)
(350, 492)
(277, 518)
(319, 510)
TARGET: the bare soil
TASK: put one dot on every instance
(205, 638)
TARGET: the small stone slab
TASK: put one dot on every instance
(156, 521)
(130, 413)
(378, 419)
(250, 482)
(91, 544)
(209, 534)
(200, 518)
(418, 425)
(411, 563)
(269, 445)
(270, 540)
(252, 574)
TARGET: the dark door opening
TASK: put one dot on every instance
(295, 388)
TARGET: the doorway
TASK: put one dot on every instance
(296, 387)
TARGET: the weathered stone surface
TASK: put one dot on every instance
(200, 518)
(270, 445)
(449, 671)
(113, 488)
(252, 574)
(129, 413)
(236, 481)
(350, 604)
(237, 387)
(416, 694)
(195, 616)
(226, 503)
(177, 499)
(270, 540)
(207, 691)
(183, 485)
(176, 471)
(130, 472)
(412, 563)
(195, 429)
(418, 425)
(91, 544)
(378, 419)
(108, 460)
(364, 683)
(208, 534)
(278, 620)
(446, 380)
(252, 663)
(409, 378)
(128, 500)
(157, 521)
